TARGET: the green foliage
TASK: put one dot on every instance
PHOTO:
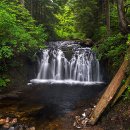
(101, 29)
(65, 28)
(112, 47)
(100, 33)
(66, 23)
(60, 3)
(114, 23)
(86, 17)
(18, 35)
(76, 19)
(18, 31)
(128, 41)
(127, 9)
(43, 11)
(127, 93)
(4, 82)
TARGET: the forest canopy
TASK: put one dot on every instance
(18, 35)
(26, 24)
(18, 32)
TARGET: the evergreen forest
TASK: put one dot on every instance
(26, 26)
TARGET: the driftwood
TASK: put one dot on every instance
(108, 94)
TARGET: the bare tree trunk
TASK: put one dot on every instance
(122, 19)
(107, 13)
(22, 2)
(31, 7)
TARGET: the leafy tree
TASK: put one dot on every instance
(86, 16)
(18, 33)
(44, 12)
(65, 28)
(77, 19)
(123, 19)
(60, 3)
(114, 18)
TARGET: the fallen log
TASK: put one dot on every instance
(121, 91)
(108, 94)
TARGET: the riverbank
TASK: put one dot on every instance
(117, 117)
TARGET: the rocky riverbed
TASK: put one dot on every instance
(18, 112)
(10, 122)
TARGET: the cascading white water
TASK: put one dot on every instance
(82, 65)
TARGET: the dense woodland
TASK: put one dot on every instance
(26, 24)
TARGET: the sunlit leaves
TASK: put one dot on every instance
(66, 27)
(18, 32)
(114, 17)
(4, 82)
(128, 41)
(6, 52)
(112, 47)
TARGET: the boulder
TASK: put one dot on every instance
(87, 43)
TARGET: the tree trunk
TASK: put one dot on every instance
(22, 2)
(122, 19)
(31, 7)
(107, 14)
(109, 93)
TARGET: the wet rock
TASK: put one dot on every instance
(87, 43)
(87, 111)
(18, 127)
(13, 121)
(7, 119)
(2, 121)
(2, 96)
(83, 121)
(3, 128)
(78, 123)
(11, 128)
(6, 125)
(11, 94)
(31, 128)
(9, 122)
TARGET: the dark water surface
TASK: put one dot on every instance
(62, 97)
(56, 100)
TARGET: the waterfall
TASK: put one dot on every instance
(82, 66)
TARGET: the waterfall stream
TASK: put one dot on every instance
(81, 67)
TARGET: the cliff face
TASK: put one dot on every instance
(20, 74)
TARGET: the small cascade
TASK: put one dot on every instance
(83, 65)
